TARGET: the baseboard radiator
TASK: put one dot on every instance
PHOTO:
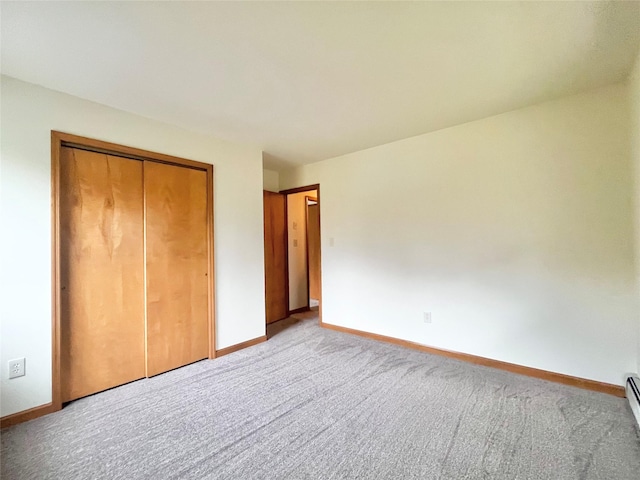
(633, 395)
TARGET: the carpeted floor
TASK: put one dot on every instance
(318, 404)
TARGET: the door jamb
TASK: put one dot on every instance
(59, 140)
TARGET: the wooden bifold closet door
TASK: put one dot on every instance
(134, 266)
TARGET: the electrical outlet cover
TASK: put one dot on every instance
(16, 368)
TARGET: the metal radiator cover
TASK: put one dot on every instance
(633, 395)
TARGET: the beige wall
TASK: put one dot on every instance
(296, 216)
(515, 232)
(634, 95)
(29, 113)
(270, 180)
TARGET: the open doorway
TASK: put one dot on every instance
(298, 243)
(293, 279)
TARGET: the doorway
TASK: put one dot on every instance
(293, 278)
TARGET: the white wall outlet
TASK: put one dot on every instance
(426, 317)
(16, 368)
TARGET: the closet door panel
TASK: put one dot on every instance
(101, 272)
(177, 266)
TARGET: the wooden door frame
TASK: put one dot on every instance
(59, 140)
(290, 191)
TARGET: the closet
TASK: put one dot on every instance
(134, 265)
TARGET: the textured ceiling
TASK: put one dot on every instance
(306, 81)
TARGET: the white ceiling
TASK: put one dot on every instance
(307, 81)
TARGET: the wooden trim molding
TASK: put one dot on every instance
(286, 253)
(211, 277)
(583, 383)
(306, 244)
(56, 394)
(306, 188)
(320, 253)
(93, 145)
(27, 415)
(240, 346)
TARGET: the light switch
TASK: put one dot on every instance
(295, 242)
(295, 225)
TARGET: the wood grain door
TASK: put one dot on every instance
(177, 266)
(275, 256)
(313, 246)
(101, 272)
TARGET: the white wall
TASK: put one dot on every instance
(271, 180)
(297, 232)
(634, 96)
(515, 231)
(29, 113)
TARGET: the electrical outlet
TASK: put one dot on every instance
(295, 242)
(16, 368)
(426, 317)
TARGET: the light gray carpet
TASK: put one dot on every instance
(318, 404)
